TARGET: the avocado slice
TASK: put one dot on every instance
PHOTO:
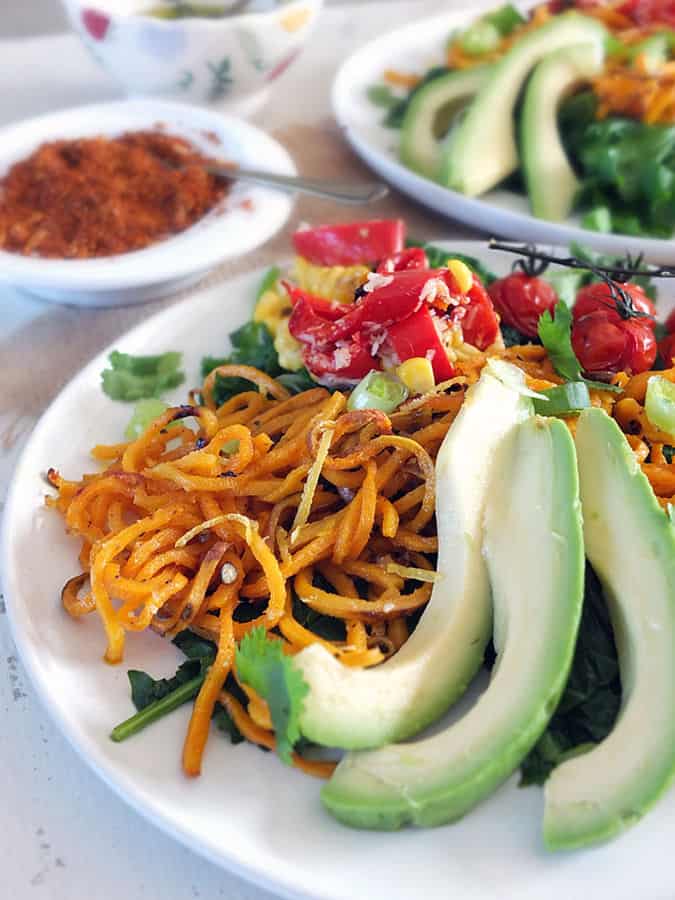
(630, 543)
(430, 115)
(483, 151)
(534, 551)
(362, 708)
(549, 177)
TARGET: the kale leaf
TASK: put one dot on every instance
(252, 345)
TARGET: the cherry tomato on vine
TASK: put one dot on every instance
(607, 344)
(629, 300)
(667, 349)
(670, 322)
(520, 299)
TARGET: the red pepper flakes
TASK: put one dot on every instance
(102, 196)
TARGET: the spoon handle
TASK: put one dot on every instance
(348, 192)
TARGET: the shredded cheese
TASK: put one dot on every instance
(311, 482)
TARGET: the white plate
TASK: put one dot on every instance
(248, 812)
(415, 48)
(247, 217)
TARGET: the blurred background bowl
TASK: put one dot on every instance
(229, 62)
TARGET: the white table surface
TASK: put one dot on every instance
(65, 835)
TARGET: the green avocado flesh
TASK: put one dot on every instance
(630, 543)
(427, 124)
(549, 177)
(483, 151)
(362, 708)
(534, 551)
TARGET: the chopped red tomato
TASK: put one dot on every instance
(351, 244)
(418, 336)
(480, 325)
(347, 361)
(667, 349)
(412, 258)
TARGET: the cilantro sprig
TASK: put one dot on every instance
(130, 378)
(262, 664)
(555, 333)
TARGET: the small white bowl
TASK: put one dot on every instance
(229, 61)
(247, 216)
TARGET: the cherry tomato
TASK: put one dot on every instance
(520, 299)
(598, 296)
(667, 349)
(670, 322)
(649, 12)
(604, 344)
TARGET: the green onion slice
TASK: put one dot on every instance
(378, 390)
(660, 403)
(563, 400)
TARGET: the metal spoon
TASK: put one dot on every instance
(350, 192)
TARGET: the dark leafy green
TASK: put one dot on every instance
(591, 700)
(297, 382)
(326, 627)
(514, 338)
(155, 698)
(627, 169)
(252, 345)
(438, 257)
(669, 453)
(131, 378)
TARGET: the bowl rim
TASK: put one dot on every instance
(198, 248)
(203, 22)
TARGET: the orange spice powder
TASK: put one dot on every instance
(102, 196)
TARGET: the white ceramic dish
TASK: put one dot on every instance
(228, 62)
(248, 812)
(247, 217)
(415, 48)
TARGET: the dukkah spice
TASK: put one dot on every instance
(78, 199)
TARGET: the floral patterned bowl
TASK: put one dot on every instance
(229, 61)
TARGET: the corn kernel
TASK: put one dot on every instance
(417, 375)
(288, 349)
(462, 275)
(270, 309)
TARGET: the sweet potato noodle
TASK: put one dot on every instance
(101, 196)
(278, 510)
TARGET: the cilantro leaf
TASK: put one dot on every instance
(262, 664)
(556, 336)
(132, 378)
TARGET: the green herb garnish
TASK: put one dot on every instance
(132, 378)
(262, 664)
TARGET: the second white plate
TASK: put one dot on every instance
(415, 48)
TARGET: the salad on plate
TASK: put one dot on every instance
(404, 472)
(571, 103)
